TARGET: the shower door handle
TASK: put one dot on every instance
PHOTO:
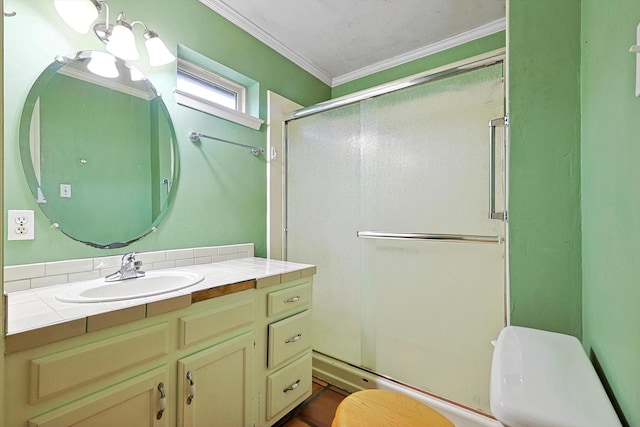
(493, 124)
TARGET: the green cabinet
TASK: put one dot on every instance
(215, 385)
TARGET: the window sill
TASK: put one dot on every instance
(225, 113)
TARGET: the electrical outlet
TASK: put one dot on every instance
(21, 225)
(21, 220)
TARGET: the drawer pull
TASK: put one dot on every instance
(294, 299)
(163, 401)
(295, 338)
(291, 387)
(192, 388)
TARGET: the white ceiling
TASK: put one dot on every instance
(342, 40)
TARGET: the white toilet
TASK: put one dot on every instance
(538, 379)
(544, 379)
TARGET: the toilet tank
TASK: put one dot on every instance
(543, 379)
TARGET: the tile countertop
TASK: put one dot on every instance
(38, 308)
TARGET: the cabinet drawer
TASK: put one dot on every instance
(288, 386)
(287, 299)
(214, 323)
(76, 367)
(289, 337)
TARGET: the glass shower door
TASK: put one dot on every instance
(413, 161)
(322, 216)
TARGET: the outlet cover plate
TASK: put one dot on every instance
(20, 225)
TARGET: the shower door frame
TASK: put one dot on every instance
(489, 58)
(449, 70)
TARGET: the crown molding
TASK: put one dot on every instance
(234, 17)
(250, 27)
(457, 40)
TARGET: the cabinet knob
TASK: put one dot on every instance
(192, 388)
(295, 338)
(163, 401)
(291, 387)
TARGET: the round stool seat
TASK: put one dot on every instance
(383, 408)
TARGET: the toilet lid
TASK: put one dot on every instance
(383, 408)
(541, 378)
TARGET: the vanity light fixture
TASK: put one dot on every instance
(119, 38)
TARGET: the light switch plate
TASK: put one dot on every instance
(20, 225)
(65, 190)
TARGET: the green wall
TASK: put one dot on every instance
(611, 196)
(221, 193)
(543, 69)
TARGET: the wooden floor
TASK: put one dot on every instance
(318, 410)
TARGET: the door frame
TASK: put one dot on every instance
(279, 109)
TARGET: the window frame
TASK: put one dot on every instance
(189, 99)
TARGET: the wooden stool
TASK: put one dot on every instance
(382, 408)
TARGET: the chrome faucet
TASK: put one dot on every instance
(130, 269)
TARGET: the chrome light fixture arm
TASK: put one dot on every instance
(102, 30)
(148, 33)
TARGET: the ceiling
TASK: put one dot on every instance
(342, 40)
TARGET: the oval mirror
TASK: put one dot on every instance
(98, 149)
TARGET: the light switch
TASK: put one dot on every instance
(65, 190)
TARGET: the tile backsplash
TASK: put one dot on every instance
(29, 276)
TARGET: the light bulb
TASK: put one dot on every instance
(135, 74)
(103, 64)
(122, 42)
(157, 50)
(78, 14)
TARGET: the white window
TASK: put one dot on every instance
(213, 94)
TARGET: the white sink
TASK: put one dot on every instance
(153, 283)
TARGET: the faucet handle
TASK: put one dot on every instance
(129, 257)
(129, 269)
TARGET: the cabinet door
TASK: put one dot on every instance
(137, 402)
(215, 385)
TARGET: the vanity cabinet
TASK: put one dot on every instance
(237, 355)
(135, 374)
(284, 346)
